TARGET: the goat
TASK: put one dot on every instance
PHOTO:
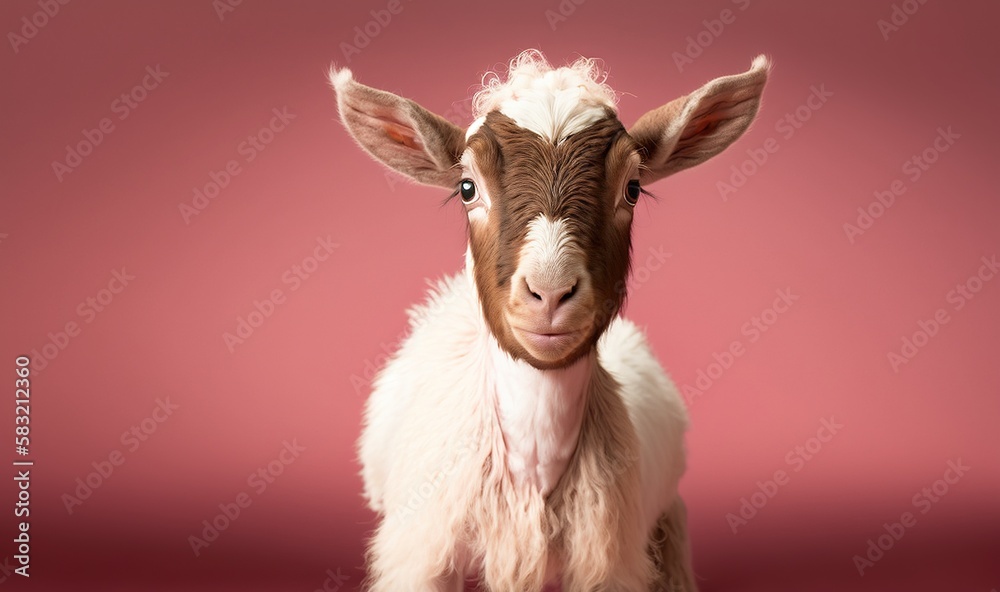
(524, 435)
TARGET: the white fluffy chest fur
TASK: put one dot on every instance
(539, 413)
(479, 461)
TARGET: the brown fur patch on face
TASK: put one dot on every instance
(579, 181)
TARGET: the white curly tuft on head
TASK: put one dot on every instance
(552, 102)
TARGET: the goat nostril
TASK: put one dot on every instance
(569, 294)
(527, 286)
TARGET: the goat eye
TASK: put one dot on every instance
(468, 190)
(632, 191)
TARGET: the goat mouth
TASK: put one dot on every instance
(547, 343)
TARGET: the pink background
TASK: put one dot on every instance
(302, 375)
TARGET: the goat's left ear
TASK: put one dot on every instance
(690, 130)
(406, 137)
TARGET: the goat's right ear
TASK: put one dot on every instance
(400, 133)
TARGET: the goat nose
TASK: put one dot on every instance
(546, 296)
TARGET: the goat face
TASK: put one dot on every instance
(549, 232)
(549, 176)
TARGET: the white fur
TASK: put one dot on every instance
(552, 102)
(540, 415)
(656, 409)
(339, 78)
(548, 257)
(432, 424)
(474, 126)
